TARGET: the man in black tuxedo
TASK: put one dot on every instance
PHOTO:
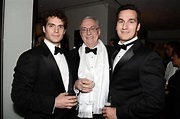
(43, 75)
(173, 87)
(137, 84)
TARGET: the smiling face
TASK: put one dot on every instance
(127, 25)
(90, 32)
(54, 30)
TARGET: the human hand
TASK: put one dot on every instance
(109, 112)
(63, 100)
(84, 85)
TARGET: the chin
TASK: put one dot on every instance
(126, 38)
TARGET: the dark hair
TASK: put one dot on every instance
(55, 13)
(130, 7)
(176, 49)
(172, 44)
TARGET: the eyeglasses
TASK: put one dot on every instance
(92, 29)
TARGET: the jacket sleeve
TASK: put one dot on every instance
(22, 94)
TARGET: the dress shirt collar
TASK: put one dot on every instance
(50, 45)
(135, 38)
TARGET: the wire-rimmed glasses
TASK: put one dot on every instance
(85, 30)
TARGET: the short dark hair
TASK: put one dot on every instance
(172, 44)
(130, 7)
(55, 13)
(176, 50)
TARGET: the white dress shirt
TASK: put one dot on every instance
(61, 62)
(170, 70)
(122, 51)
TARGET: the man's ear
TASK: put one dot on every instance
(64, 32)
(138, 27)
(44, 30)
(99, 32)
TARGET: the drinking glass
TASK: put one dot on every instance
(108, 102)
(90, 94)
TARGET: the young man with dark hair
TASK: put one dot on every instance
(43, 75)
(137, 83)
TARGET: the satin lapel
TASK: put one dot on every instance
(112, 60)
(123, 60)
(53, 69)
(70, 86)
(127, 56)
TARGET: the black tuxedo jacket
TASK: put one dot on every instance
(37, 81)
(173, 97)
(137, 84)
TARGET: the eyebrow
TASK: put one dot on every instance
(89, 27)
(50, 24)
(129, 19)
(54, 24)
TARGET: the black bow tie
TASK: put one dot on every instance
(58, 50)
(87, 50)
(124, 47)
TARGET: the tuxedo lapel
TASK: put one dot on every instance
(113, 57)
(126, 57)
(123, 60)
(70, 86)
(52, 68)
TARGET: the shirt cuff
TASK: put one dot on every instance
(54, 107)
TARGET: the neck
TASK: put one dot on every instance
(132, 39)
(92, 45)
